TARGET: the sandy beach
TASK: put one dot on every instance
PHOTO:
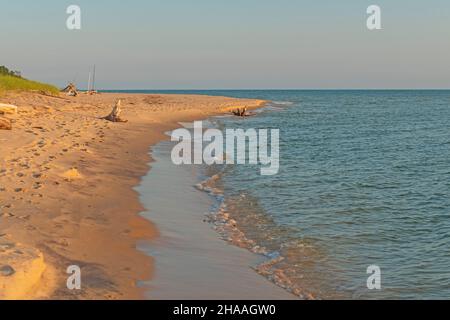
(66, 190)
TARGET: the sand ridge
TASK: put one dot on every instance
(66, 189)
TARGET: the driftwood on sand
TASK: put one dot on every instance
(70, 90)
(7, 108)
(5, 124)
(240, 113)
(114, 116)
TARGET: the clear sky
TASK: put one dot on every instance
(224, 44)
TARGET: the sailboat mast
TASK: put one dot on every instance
(93, 80)
(89, 82)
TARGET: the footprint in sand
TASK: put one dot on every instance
(42, 144)
(37, 195)
(37, 175)
(6, 215)
(25, 165)
(37, 185)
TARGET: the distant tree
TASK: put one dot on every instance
(5, 71)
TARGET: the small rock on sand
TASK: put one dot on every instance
(6, 271)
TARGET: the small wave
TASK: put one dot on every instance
(283, 103)
(228, 228)
(209, 187)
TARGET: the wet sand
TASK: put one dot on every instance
(66, 190)
(191, 261)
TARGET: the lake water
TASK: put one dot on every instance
(364, 180)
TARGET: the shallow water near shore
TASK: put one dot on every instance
(191, 261)
(364, 180)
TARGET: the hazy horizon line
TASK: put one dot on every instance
(282, 89)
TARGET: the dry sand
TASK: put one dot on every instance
(66, 190)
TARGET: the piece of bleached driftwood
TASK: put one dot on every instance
(240, 113)
(70, 90)
(5, 124)
(8, 108)
(114, 116)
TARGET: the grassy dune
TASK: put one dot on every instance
(12, 83)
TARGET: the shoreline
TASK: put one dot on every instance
(74, 202)
(192, 261)
(227, 219)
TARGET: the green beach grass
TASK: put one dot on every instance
(14, 83)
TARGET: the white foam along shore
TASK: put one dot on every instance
(191, 261)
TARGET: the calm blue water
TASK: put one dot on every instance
(364, 180)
